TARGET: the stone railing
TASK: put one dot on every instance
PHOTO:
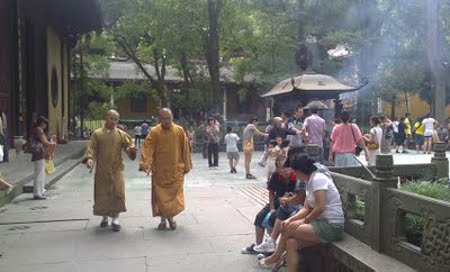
(375, 212)
(354, 191)
(434, 253)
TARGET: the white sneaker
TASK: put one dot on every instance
(267, 247)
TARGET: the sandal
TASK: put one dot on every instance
(262, 263)
(104, 224)
(173, 225)
(162, 226)
(116, 227)
(250, 176)
(281, 263)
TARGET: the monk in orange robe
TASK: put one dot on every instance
(166, 154)
(105, 147)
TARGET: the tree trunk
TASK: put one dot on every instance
(407, 102)
(186, 75)
(393, 104)
(302, 57)
(160, 77)
(212, 48)
(439, 103)
(185, 69)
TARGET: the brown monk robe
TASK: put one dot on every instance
(166, 153)
(105, 147)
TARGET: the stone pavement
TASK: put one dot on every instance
(61, 234)
(19, 170)
(19, 166)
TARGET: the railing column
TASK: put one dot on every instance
(384, 172)
(440, 160)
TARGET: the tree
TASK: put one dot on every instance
(90, 67)
(435, 62)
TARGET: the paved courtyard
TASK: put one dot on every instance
(61, 234)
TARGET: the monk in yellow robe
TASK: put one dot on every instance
(166, 154)
(105, 147)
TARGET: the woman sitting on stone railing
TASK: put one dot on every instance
(321, 220)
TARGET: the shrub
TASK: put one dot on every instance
(429, 189)
(414, 224)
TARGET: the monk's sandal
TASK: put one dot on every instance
(104, 224)
(162, 226)
(115, 227)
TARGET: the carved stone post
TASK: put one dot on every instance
(313, 151)
(440, 160)
(384, 179)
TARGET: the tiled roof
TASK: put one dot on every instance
(129, 71)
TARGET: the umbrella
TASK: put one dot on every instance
(316, 104)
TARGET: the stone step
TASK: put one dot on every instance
(60, 171)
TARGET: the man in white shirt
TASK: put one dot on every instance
(231, 140)
(137, 135)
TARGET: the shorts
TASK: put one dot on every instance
(345, 159)
(327, 232)
(248, 147)
(284, 213)
(262, 215)
(233, 155)
(419, 139)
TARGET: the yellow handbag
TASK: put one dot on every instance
(49, 167)
(373, 146)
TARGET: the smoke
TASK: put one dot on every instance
(391, 50)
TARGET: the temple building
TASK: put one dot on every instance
(36, 38)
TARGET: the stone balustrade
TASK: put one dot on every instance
(382, 224)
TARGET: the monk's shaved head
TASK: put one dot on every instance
(112, 118)
(165, 117)
(112, 112)
(165, 111)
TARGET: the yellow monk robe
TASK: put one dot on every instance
(105, 148)
(167, 153)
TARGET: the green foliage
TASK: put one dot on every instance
(360, 208)
(429, 189)
(97, 110)
(91, 67)
(414, 226)
(261, 38)
(134, 89)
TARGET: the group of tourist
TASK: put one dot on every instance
(304, 209)
(424, 131)
(281, 134)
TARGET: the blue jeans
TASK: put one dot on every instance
(320, 156)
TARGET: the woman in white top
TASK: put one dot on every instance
(373, 139)
(321, 220)
(429, 122)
